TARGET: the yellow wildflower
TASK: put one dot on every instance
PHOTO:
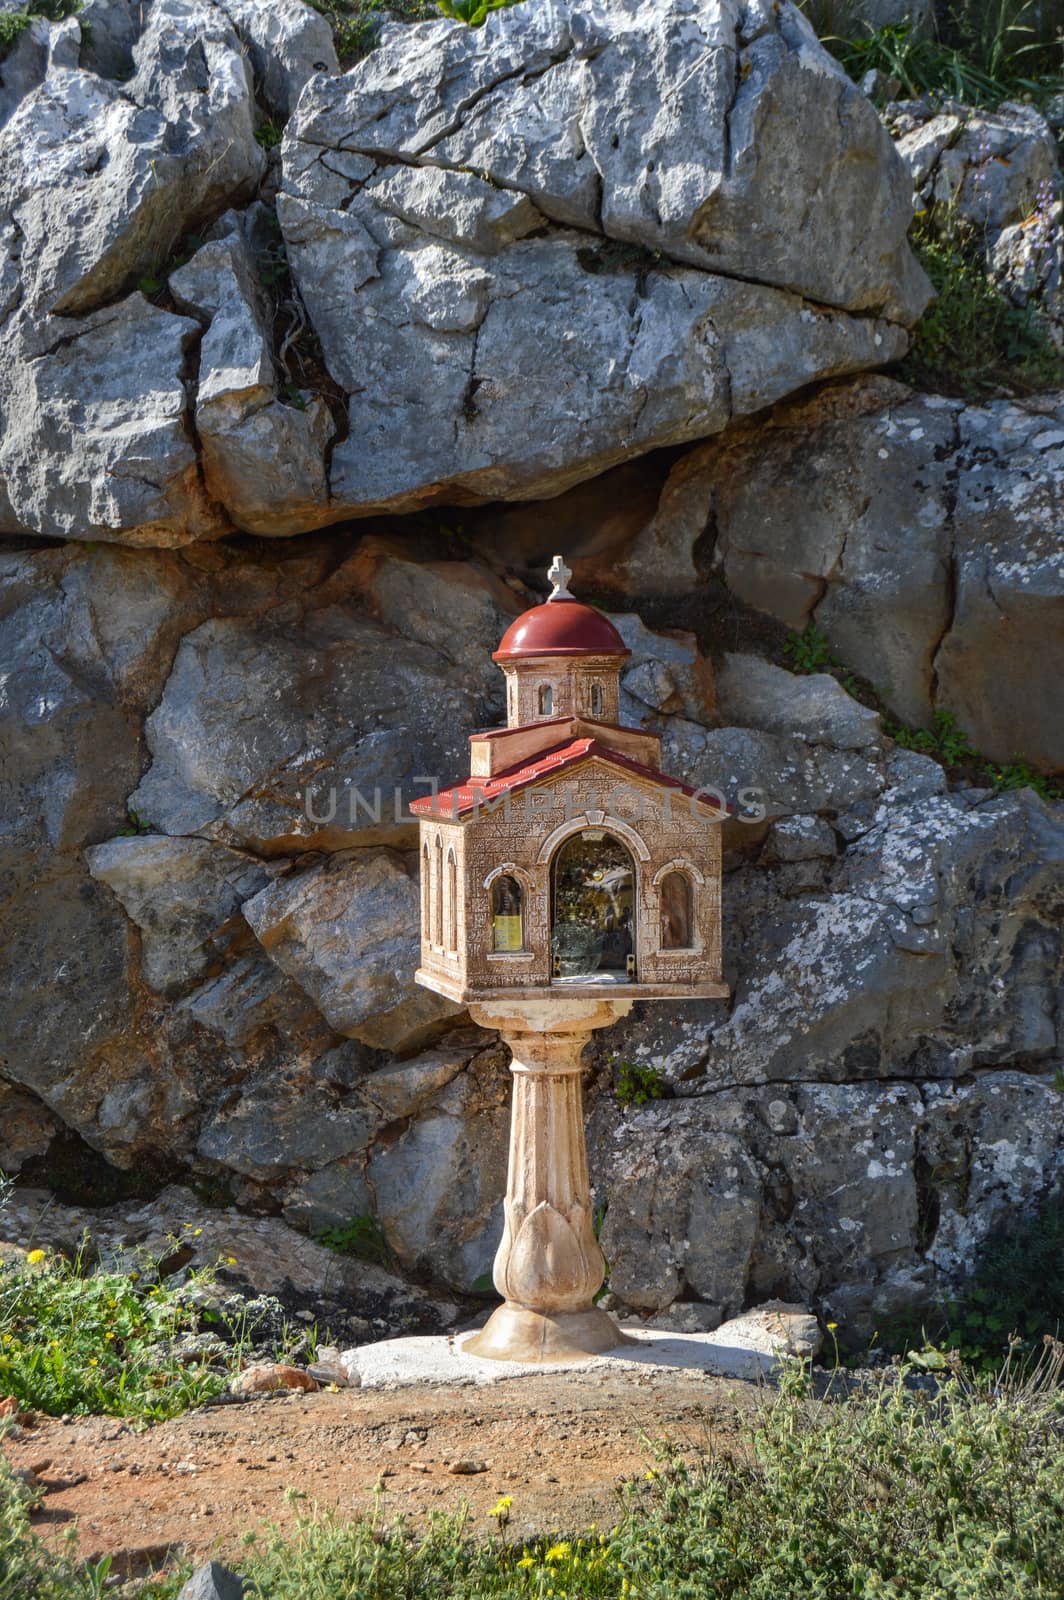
(196, 1232)
(230, 1261)
(832, 1326)
(35, 1256)
(557, 1552)
(527, 1561)
(108, 1335)
(501, 1506)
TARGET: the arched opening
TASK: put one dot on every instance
(593, 910)
(596, 699)
(452, 902)
(545, 700)
(437, 892)
(507, 922)
(426, 891)
(677, 912)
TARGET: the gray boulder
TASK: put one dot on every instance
(348, 932)
(288, 43)
(416, 181)
(926, 550)
(181, 894)
(814, 707)
(103, 181)
(1000, 666)
(212, 1581)
(263, 460)
(97, 441)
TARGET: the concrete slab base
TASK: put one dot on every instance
(747, 1347)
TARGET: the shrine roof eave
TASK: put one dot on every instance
(465, 799)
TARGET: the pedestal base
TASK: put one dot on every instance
(513, 1333)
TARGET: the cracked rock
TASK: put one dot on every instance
(574, 289)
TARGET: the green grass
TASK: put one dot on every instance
(973, 342)
(638, 1085)
(978, 51)
(14, 23)
(363, 1237)
(74, 1340)
(355, 22)
(886, 1494)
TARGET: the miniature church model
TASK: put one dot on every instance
(568, 861)
(564, 879)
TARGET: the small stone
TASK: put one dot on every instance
(326, 1372)
(465, 1469)
(212, 1581)
(269, 1377)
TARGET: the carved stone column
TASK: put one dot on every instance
(548, 1267)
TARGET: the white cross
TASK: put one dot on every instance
(559, 574)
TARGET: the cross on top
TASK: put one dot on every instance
(559, 574)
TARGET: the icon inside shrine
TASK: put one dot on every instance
(565, 878)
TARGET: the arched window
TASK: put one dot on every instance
(452, 901)
(596, 699)
(426, 890)
(545, 700)
(507, 926)
(437, 889)
(677, 912)
(593, 909)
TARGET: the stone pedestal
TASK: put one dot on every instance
(548, 1267)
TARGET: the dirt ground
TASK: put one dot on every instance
(188, 1488)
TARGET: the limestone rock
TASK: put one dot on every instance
(987, 167)
(814, 707)
(666, 673)
(103, 181)
(763, 775)
(261, 1253)
(348, 932)
(42, 46)
(180, 893)
(999, 172)
(96, 442)
(799, 839)
(212, 1581)
(881, 599)
(792, 1329)
(439, 1187)
(415, 182)
(264, 460)
(280, 732)
(288, 43)
(899, 493)
(1001, 664)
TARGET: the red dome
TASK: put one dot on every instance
(562, 627)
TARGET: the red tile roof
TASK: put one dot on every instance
(463, 798)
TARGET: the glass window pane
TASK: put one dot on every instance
(593, 930)
(676, 911)
(546, 699)
(506, 921)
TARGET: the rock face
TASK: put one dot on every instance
(500, 261)
(462, 215)
(793, 1168)
(999, 172)
(926, 553)
(578, 288)
(229, 993)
